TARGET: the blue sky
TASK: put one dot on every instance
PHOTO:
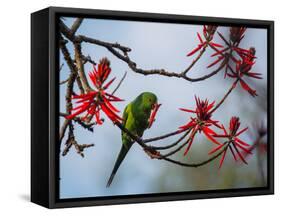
(159, 45)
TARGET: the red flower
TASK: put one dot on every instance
(208, 32)
(97, 99)
(227, 53)
(243, 69)
(237, 34)
(202, 122)
(234, 143)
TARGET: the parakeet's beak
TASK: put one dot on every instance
(155, 108)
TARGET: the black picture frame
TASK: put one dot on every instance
(44, 107)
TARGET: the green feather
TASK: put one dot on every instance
(135, 119)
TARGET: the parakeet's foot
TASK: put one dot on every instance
(153, 154)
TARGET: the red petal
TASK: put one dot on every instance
(216, 149)
(114, 97)
(199, 37)
(97, 114)
(210, 106)
(242, 131)
(242, 142)
(106, 73)
(232, 152)
(93, 77)
(71, 116)
(243, 148)
(220, 52)
(83, 95)
(209, 131)
(110, 106)
(188, 147)
(216, 45)
(204, 29)
(224, 129)
(246, 87)
(88, 97)
(187, 110)
(222, 158)
(254, 75)
(188, 125)
(110, 114)
(109, 83)
(209, 136)
(82, 106)
(194, 50)
(240, 155)
(215, 62)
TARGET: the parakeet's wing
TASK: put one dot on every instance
(126, 114)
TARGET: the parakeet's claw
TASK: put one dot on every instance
(153, 154)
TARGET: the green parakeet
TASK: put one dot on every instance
(137, 117)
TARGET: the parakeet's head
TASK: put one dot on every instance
(150, 101)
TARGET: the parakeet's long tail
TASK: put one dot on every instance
(123, 152)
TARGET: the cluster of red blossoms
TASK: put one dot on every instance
(234, 143)
(98, 99)
(208, 32)
(203, 122)
(243, 59)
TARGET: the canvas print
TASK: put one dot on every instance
(151, 107)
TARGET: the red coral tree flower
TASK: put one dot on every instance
(243, 69)
(237, 34)
(232, 46)
(208, 32)
(97, 100)
(201, 123)
(234, 143)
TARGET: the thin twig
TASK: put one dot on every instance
(161, 137)
(88, 59)
(61, 66)
(64, 81)
(119, 84)
(225, 96)
(171, 145)
(88, 126)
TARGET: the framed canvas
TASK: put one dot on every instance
(138, 107)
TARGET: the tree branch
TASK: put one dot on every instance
(76, 25)
(162, 157)
(80, 66)
(119, 84)
(225, 96)
(125, 57)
